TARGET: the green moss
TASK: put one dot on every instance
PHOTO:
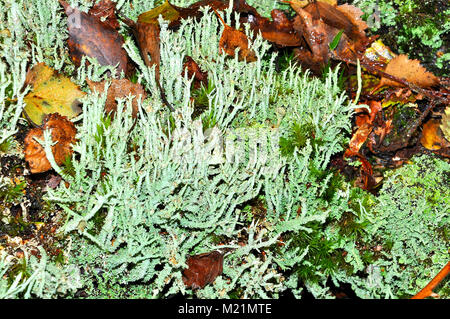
(296, 138)
(416, 27)
(12, 192)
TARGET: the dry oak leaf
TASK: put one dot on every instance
(410, 70)
(89, 36)
(51, 93)
(202, 269)
(119, 89)
(62, 131)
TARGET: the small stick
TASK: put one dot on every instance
(428, 290)
(220, 18)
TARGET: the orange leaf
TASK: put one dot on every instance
(410, 70)
(432, 137)
(232, 39)
(62, 131)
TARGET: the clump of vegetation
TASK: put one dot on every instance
(420, 28)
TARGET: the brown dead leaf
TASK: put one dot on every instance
(89, 36)
(279, 31)
(202, 269)
(147, 37)
(232, 39)
(358, 139)
(105, 10)
(409, 70)
(62, 131)
(354, 16)
(119, 89)
(193, 70)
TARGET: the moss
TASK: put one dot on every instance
(297, 137)
(419, 28)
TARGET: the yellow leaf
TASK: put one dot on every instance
(168, 12)
(432, 137)
(51, 93)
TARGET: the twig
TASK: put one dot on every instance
(429, 94)
(428, 290)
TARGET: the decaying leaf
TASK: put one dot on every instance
(432, 137)
(409, 70)
(89, 36)
(119, 89)
(51, 93)
(304, 3)
(193, 70)
(168, 11)
(62, 131)
(106, 11)
(147, 37)
(202, 269)
(357, 30)
(379, 53)
(233, 39)
(320, 24)
(445, 123)
(279, 31)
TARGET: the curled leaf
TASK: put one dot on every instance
(202, 269)
(193, 70)
(63, 133)
(51, 93)
(233, 39)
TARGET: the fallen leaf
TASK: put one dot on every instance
(105, 11)
(119, 89)
(202, 269)
(354, 16)
(62, 131)
(303, 3)
(147, 37)
(358, 139)
(232, 39)
(410, 70)
(168, 11)
(279, 31)
(432, 137)
(380, 53)
(445, 123)
(193, 70)
(51, 93)
(89, 36)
